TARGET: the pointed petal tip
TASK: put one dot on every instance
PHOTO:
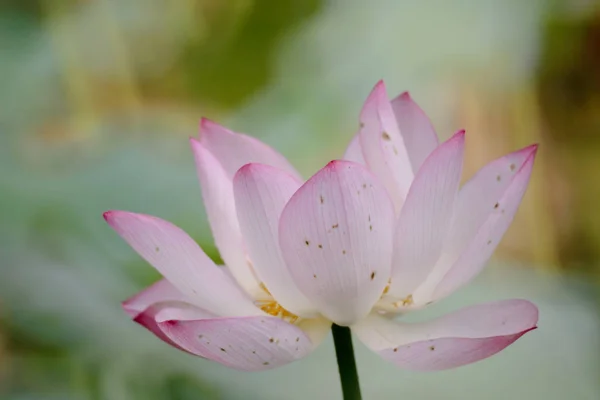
(458, 136)
(205, 122)
(405, 96)
(125, 305)
(107, 215)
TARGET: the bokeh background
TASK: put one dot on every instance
(98, 98)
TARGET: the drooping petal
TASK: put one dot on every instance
(416, 129)
(354, 151)
(489, 234)
(426, 216)
(456, 339)
(182, 262)
(217, 193)
(160, 292)
(382, 145)
(245, 343)
(180, 311)
(233, 150)
(261, 192)
(336, 238)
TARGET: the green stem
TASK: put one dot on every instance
(344, 353)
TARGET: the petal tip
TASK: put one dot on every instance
(405, 96)
(206, 123)
(107, 215)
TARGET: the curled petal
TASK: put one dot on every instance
(425, 217)
(383, 147)
(233, 150)
(160, 292)
(416, 129)
(182, 262)
(460, 338)
(245, 343)
(336, 238)
(261, 192)
(217, 193)
(150, 316)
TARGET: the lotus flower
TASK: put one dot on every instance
(383, 232)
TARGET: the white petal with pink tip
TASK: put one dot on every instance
(217, 193)
(480, 249)
(233, 150)
(181, 261)
(382, 145)
(456, 339)
(245, 343)
(261, 192)
(336, 238)
(425, 217)
(416, 129)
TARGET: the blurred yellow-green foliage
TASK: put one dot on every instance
(98, 97)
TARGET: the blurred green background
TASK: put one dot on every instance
(98, 97)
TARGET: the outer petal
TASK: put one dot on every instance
(217, 193)
(417, 131)
(179, 259)
(160, 292)
(180, 311)
(233, 150)
(460, 338)
(336, 237)
(382, 145)
(354, 151)
(426, 216)
(261, 192)
(246, 343)
(481, 247)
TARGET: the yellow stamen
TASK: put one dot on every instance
(407, 301)
(275, 309)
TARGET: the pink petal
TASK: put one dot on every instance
(456, 339)
(426, 216)
(261, 192)
(149, 317)
(160, 292)
(354, 151)
(336, 238)
(181, 261)
(477, 195)
(245, 343)
(382, 145)
(417, 131)
(233, 150)
(217, 193)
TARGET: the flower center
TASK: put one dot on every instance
(271, 307)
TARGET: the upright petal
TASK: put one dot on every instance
(426, 216)
(489, 234)
(160, 292)
(354, 151)
(456, 339)
(261, 192)
(382, 145)
(336, 238)
(233, 150)
(181, 261)
(247, 343)
(217, 193)
(416, 129)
